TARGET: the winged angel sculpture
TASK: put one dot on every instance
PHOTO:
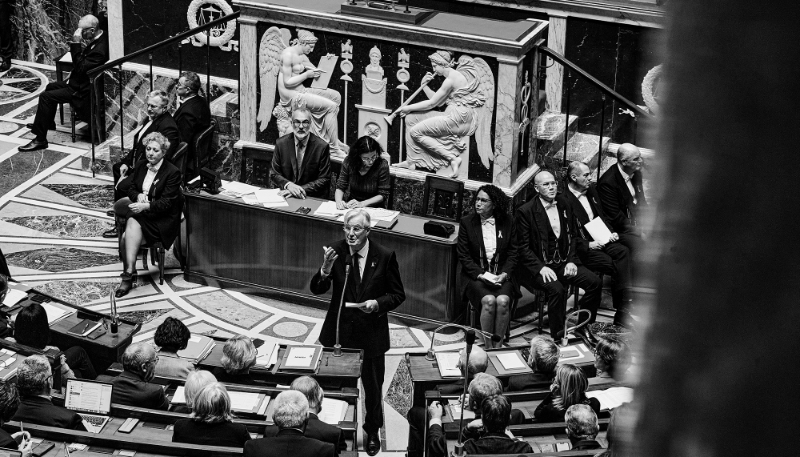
(283, 62)
(436, 139)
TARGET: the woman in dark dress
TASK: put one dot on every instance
(568, 388)
(488, 257)
(211, 422)
(31, 328)
(364, 179)
(152, 208)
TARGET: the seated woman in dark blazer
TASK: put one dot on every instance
(486, 246)
(172, 336)
(152, 208)
(238, 356)
(211, 422)
(568, 388)
(364, 179)
(31, 328)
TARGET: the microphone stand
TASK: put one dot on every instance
(459, 447)
(337, 348)
(114, 321)
(431, 354)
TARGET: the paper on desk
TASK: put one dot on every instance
(328, 209)
(333, 411)
(180, 396)
(54, 313)
(511, 361)
(611, 398)
(267, 355)
(13, 297)
(238, 189)
(448, 364)
(270, 198)
(597, 228)
(243, 401)
(301, 357)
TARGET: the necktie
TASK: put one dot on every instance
(357, 269)
(301, 152)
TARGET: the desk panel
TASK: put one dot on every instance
(277, 251)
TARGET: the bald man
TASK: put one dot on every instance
(622, 197)
(546, 253)
(611, 258)
(89, 50)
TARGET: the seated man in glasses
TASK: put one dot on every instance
(301, 161)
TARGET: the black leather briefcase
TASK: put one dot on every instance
(438, 228)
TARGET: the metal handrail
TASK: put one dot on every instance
(594, 81)
(178, 37)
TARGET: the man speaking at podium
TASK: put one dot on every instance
(373, 288)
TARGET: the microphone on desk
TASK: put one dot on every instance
(431, 354)
(459, 447)
(337, 348)
(114, 323)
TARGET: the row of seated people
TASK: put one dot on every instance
(210, 421)
(565, 385)
(546, 245)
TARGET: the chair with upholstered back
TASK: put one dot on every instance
(202, 148)
(447, 195)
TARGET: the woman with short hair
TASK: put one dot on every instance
(568, 388)
(238, 356)
(611, 358)
(172, 336)
(211, 422)
(195, 382)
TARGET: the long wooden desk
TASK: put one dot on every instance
(276, 251)
(103, 350)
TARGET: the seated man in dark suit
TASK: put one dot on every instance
(582, 427)
(89, 50)
(158, 120)
(132, 387)
(192, 116)
(291, 416)
(301, 161)
(543, 359)
(35, 382)
(315, 428)
(495, 414)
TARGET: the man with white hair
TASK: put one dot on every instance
(133, 387)
(582, 427)
(373, 289)
(89, 50)
(35, 384)
(291, 416)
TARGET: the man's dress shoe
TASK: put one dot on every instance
(373, 444)
(34, 145)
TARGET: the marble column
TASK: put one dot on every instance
(506, 134)
(116, 35)
(556, 40)
(248, 76)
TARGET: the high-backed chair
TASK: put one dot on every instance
(447, 198)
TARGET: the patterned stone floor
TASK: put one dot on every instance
(52, 215)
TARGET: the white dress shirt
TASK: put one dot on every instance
(552, 214)
(581, 196)
(489, 237)
(629, 183)
(152, 171)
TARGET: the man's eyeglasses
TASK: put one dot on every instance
(299, 123)
(357, 229)
(370, 159)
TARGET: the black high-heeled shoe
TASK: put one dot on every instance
(128, 282)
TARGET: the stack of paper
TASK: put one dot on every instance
(448, 364)
(270, 198)
(54, 313)
(301, 358)
(612, 398)
(333, 411)
(237, 189)
(198, 348)
(328, 209)
(9, 361)
(267, 355)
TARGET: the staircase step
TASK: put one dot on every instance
(551, 132)
(582, 147)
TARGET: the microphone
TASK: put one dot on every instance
(431, 354)
(459, 447)
(337, 348)
(114, 322)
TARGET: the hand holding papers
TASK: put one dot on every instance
(597, 228)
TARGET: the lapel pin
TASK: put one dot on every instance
(499, 234)
(373, 264)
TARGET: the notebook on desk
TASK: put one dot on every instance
(91, 400)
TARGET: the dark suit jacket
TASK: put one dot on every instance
(83, 60)
(617, 200)
(219, 434)
(496, 443)
(163, 124)
(582, 218)
(380, 281)
(318, 430)
(192, 117)
(529, 381)
(472, 252)
(41, 411)
(129, 389)
(288, 442)
(166, 198)
(586, 445)
(533, 229)
(315, 173)
(7, 442)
